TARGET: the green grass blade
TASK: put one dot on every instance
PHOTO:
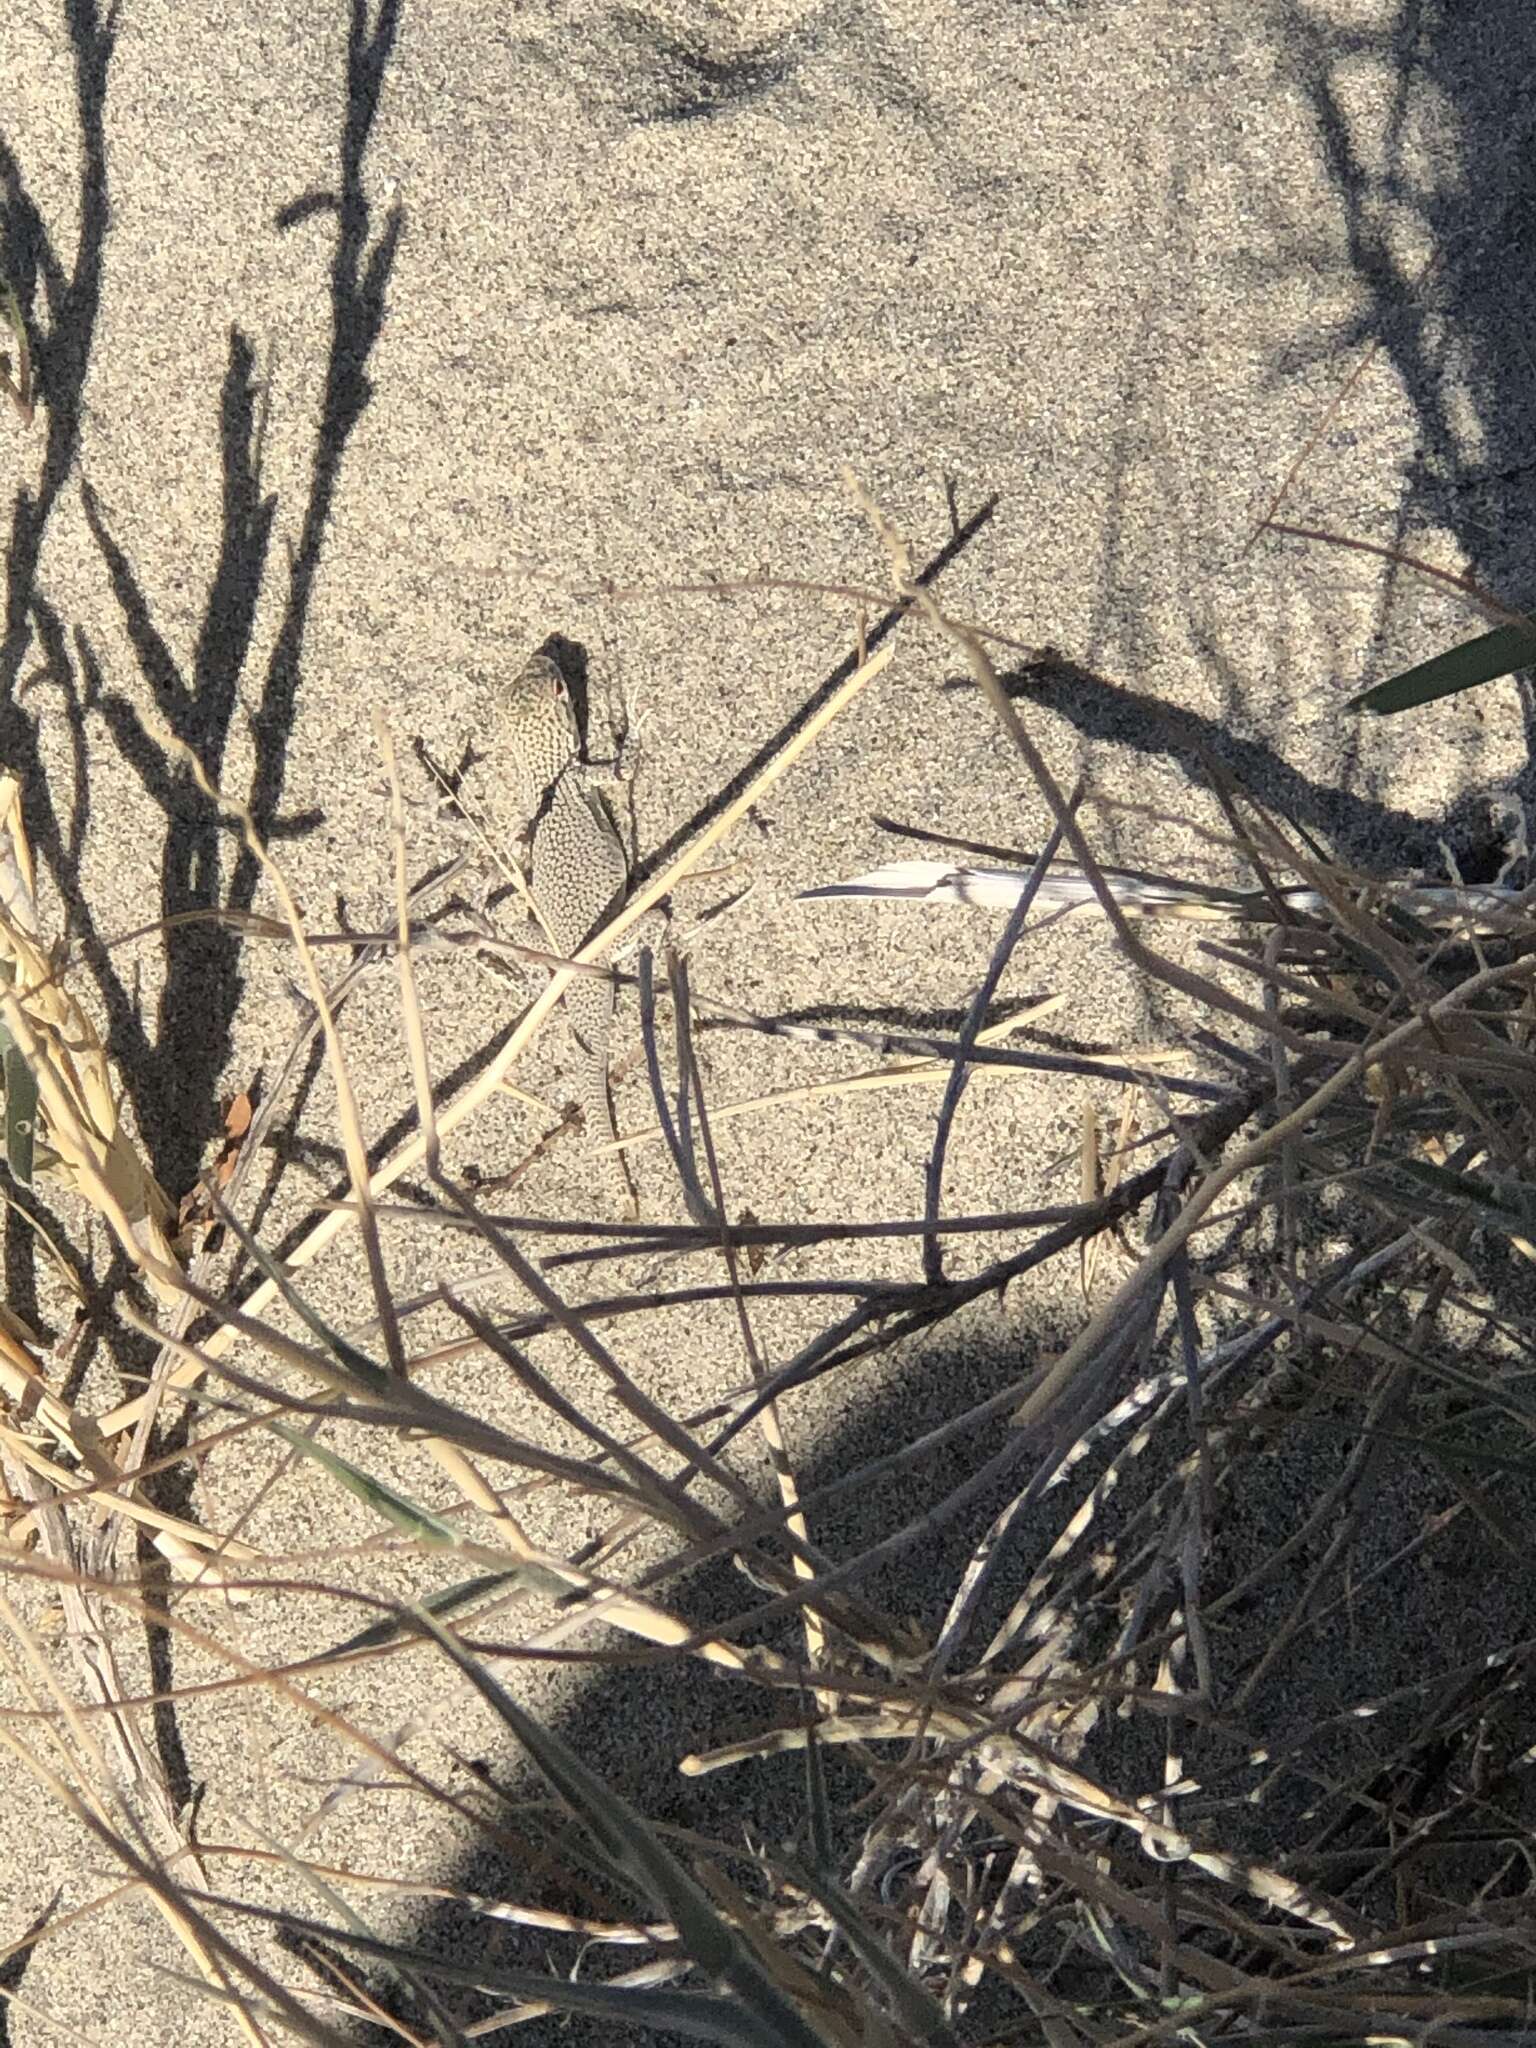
(817, 1803)
(622, 1836)
(415, 1521)
(20, 1114)
(1478, 661)
(918, 2013)
(365, 1370)
(1509, 1207)
(451, 1600)
(16, 379)
(418, 1982)
(434, 1530)
(698, 2015)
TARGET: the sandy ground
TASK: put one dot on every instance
(374, 349)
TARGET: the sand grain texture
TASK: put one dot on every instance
(374, 347)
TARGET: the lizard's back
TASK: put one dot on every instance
(577, 868)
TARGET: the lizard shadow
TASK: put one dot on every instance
(572, 660)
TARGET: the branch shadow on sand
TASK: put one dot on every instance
(175, 1074)
(172, 1069)
(1417, 1632)
(1455, 332)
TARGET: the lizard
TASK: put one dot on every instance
(578, 872)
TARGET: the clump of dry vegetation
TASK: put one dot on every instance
(1183, 1748)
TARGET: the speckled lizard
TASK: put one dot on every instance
(577, 869)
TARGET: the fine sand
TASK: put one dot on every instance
(374, 351)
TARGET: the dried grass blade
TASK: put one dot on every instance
(489, 1082)
(627, 1843)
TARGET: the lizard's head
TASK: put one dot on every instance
(540, 697)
